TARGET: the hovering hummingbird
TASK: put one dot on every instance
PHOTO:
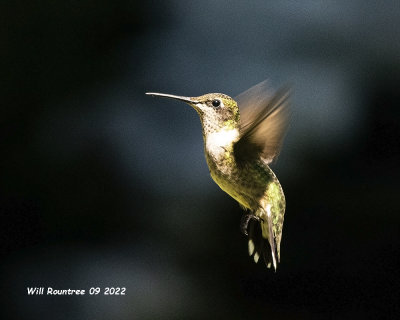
(239, 146)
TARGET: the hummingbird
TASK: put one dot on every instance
(242, 137)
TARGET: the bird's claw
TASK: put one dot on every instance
(244, 222)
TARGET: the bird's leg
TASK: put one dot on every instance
(244, 222)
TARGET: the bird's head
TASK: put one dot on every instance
(217, 111)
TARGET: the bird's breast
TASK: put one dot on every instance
(247, 185)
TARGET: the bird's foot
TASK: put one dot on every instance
(244, 222)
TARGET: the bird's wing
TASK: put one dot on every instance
(264, 118)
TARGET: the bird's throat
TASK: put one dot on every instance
(220, 144)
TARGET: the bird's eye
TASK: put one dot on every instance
(216, 103)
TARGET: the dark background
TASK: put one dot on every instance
(103, 186)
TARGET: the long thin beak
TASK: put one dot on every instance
(171, 96)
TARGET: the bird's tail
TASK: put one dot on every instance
(262, 242)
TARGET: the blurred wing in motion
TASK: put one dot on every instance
(264, 118)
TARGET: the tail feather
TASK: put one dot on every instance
(267, 225)
(259, 246)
